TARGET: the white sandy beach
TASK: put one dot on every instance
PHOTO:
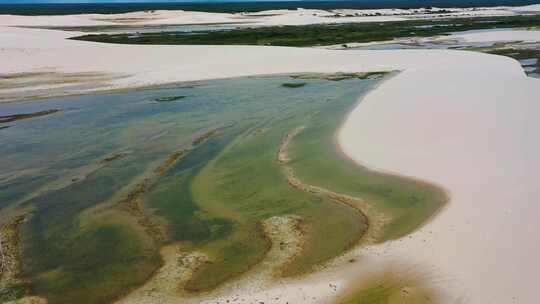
(466, 121)
(471, 131)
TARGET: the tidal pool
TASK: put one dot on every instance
(106, 181)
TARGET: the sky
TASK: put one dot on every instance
(118, 1)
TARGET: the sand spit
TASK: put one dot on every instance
(42, 84)
(463, 120)
(167, 284)
(10, 264)
(498, 36)
(374, 220)
(10, 255)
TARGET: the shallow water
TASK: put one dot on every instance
(109, 179)
(528, 62)
(70, 170)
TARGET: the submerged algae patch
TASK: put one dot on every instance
(58, 254)
(394, 286)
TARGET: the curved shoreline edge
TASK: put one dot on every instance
(339, 141)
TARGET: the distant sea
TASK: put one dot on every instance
(242, 6)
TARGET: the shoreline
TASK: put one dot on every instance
(347, 157)
(158, 86)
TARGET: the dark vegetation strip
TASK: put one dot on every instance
(320, 34)
(15, 117)
(293, 85)
(170, 98)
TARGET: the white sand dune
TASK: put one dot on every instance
(264, 18)
(527, 8)
(464, 120)
(472, 130)
(498, 36)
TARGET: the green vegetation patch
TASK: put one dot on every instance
(321, 34)
(169, 98)
(293, 85)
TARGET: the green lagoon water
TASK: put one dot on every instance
(69, 170)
